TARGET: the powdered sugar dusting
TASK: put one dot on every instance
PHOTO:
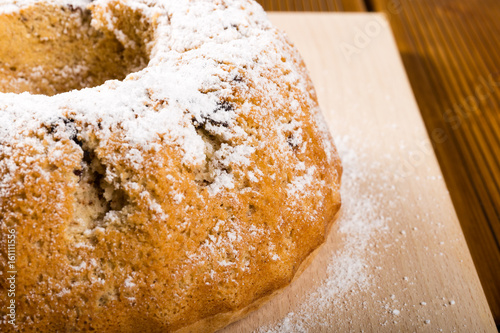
(192, 41)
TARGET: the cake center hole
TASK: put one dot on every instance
(48, 49)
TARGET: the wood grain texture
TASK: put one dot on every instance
(450, 50)
(313, 5)
(422, 255)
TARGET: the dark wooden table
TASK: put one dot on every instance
(451, 52)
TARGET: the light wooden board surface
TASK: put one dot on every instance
(413, 272)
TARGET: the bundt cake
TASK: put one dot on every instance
(164, 165)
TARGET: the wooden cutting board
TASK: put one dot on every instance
(396, 260)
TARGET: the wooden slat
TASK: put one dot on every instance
(313, 5)
(353, 6)
(451, 54)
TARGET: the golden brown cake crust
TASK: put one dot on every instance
(178, 199)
